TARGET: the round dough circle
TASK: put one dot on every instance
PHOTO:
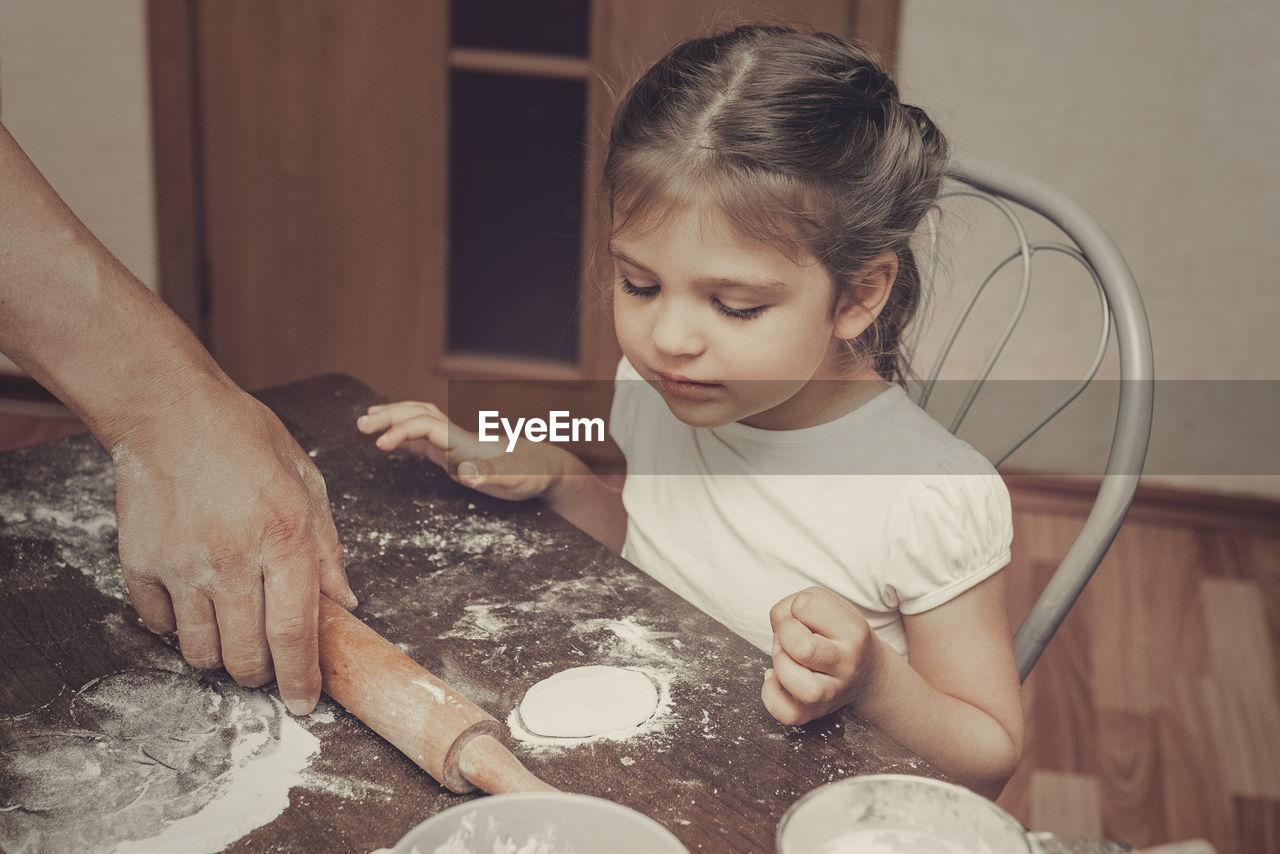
(586, 701)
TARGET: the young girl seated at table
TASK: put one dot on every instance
(764, 185)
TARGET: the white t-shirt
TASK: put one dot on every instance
(882, 506)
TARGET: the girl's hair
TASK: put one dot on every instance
(800, 139)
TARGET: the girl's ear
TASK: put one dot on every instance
(868, 293)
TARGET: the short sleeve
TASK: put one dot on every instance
(952, 529)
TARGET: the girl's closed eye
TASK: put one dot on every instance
(629, 287)
(645, 291)
(739, 313)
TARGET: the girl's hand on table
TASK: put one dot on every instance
(422, 428)
(823, 654)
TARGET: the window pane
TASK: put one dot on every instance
(545, 26)
(515, 214)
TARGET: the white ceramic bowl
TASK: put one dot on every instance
(539, 823)
(901, 814)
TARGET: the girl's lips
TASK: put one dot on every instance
(686, 389)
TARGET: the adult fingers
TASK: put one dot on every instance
(333, 572)
(197, 626)
(244, 643)
(151, 600)
(332, 568)
(292, 614)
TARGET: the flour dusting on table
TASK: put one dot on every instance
(79, 516)
(154, 761)
(628, 643)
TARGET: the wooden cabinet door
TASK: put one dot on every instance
(321, 153)
(304, 164)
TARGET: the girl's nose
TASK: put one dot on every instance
(675, 331)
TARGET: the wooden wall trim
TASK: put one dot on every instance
(175, 134)
(1165, 504)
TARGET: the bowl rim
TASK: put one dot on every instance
(909, 779)
(594, 802)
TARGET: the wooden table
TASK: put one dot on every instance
(105, 734)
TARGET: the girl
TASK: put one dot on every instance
(764, 184)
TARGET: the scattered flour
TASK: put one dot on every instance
(78, 516)
(479, 622)
(630, 638)
(154, 761)
(474, 534)
(95, 525)
(437, 693)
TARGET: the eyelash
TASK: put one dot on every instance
(632, 289)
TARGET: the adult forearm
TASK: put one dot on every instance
(74, 318)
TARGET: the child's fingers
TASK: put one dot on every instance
(781, 612)
(780, 704)
(430, 427)
(383, 407)
(809, 649)
(380, 417)
(809, 688)
(785, 707)
(501, 477)
(824, 612)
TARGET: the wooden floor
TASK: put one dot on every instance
(1154, 715)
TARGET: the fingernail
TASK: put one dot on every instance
(469, 472)
(299, 708)
(360, 422)
(350, 602)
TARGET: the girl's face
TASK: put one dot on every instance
(728, 328)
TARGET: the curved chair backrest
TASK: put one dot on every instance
(1121, 312)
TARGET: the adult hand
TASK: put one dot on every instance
(226, 537)
(225, 532)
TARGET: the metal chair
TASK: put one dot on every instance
(1121, 312)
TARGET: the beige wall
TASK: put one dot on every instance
(1160, 117)
(74, 93)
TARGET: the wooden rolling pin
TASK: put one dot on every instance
(448, 736)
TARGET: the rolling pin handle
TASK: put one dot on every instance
(487, 764)
(454, 779)
(448, 736)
